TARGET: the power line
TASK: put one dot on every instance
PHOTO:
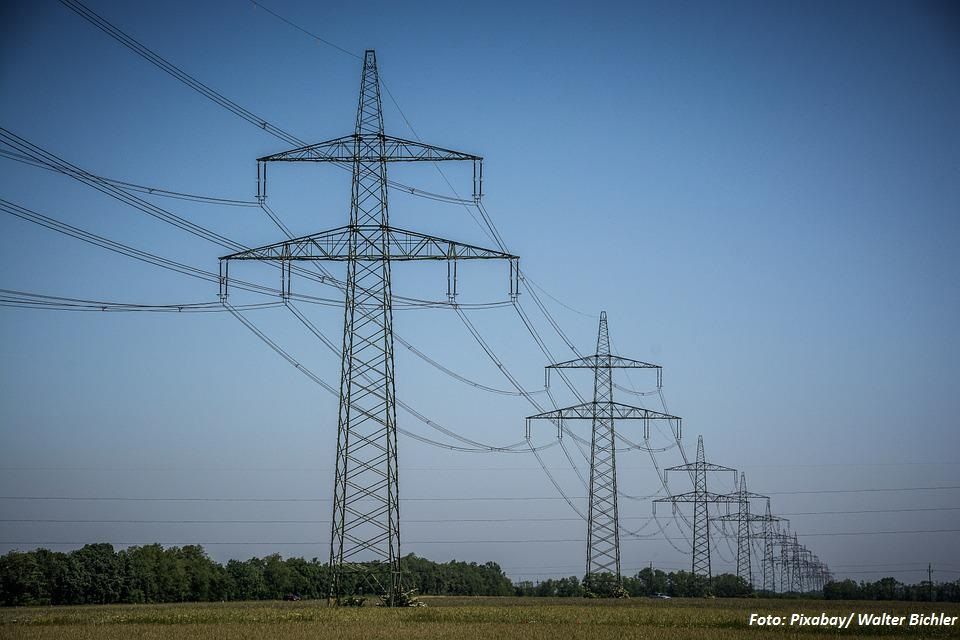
(55, 163)
(423, 499)
(476, 447)
(131, 186)
(25, 299)
(870, 490)
(172, 265)
(458, 542)
(435, 521)
(308, 33)
(215, 96)
(72, 5)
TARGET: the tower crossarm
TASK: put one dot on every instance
(698, 496)
(369, 243)
(747, 494)
(695, 497)
(589, 410)
(401, 244)
(751, 517)
(706, 466)
(370, 147)
(600, 360)
(605, 361)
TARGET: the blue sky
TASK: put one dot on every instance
(764, 198)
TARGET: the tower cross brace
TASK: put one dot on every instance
(744, 518)
(769, 534)
(700, 498)
(365, 527)
(603, 525)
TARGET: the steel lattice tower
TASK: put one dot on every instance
(366, 509)
(769, 535)
(796, 569)
(700, 498)
(744, 519)
(603, 529)
(785, 540)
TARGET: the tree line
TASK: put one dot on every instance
(100, 574)
(646, 582)
(892, 589)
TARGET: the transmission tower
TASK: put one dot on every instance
(700, 498)
(796, 572)
(744, 519)
(785, 541)
(603, 532)
(365, 529)
(769, 537)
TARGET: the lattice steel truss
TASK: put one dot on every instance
(603, 529)
(744, 519)
(700, 498)
(791, 573)
(366, 516)
(769, 535)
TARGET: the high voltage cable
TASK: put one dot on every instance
(498, 541)
(402, 404)
(205, 90)
(42, 156)
(62, 166)
(13, 298)
(870, 490)
(434, 520)
(131, 186)
(414, 520)
(496, 360)
(494, 235)
(476, 448)
(52, 161)
(250, 117)
(333, 347)
(530, 282)
(221, 499)
(309, 33)
(102, 24)
(491, 230)
(144, 256)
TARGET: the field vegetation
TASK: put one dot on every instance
(499, 618)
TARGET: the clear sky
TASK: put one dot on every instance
(764, 197)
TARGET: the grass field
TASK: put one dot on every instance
(461, 618)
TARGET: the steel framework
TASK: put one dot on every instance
(603, 525)
(365, 528)
(700, 498)
(744, 518)
(791, 574)
(771, 525)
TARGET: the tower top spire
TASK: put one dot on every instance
(603, 336)
(369, 111)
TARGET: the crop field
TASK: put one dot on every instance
(461, 618)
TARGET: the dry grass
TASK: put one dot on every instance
(460, 618)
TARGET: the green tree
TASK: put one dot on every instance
(21, 579)
(727, 585)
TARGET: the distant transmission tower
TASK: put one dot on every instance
(769, 537)
(744, 520)
(366, 514)
(603, 527)
(785, 541)
(700, 498)
(793, 560)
